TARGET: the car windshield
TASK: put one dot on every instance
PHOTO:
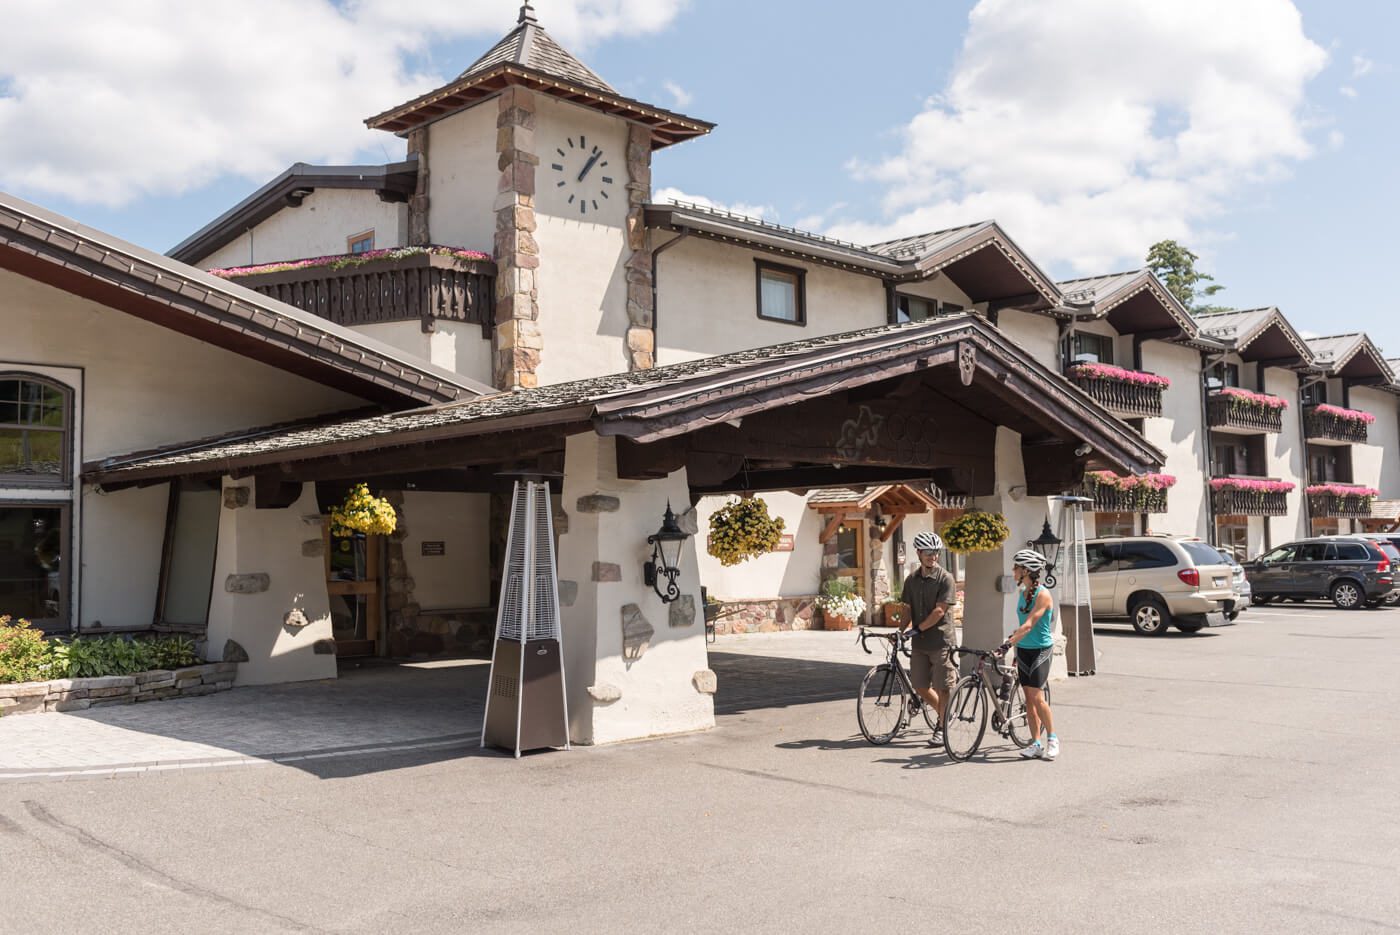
(1229, 559)
(1202, 554)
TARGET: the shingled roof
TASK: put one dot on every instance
(1258, 334)
(1134, 301)
(1351, 355)
(529, 45)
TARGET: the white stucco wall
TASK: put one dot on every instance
(1377, 463)
(142, 386)
(1037, 335)
(320, 226)
(1180, 434)
(253, 541)
(1286, 456)
(461, 576)
(462, 178)
(778, 574)
(455, 346)
(581, 280)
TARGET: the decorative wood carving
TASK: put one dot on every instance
(967, 362)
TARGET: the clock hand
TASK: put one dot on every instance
(588, 165)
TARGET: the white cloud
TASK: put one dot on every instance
(1092, 128)
(1361, 66)
(664, 195)
(109, 102)
(680, 95)
(1348, 91)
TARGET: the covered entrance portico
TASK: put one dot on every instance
(950, 401)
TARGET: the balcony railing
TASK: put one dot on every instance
(1141, 397)
(1323, 423)
(1250, 496)
(423, 287)
(1225, 410)
(1114, 500)
(1340, 502)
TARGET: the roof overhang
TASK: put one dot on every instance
(964, 356)
(667, 127)
(890, 498)
(1141, 304)
(1360, 360)
(54, 250)
(987, 264)
(1269, 339)
(393, 183)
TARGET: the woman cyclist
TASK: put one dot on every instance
(1033, 639)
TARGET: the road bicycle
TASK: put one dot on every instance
(993, 691)
(887, 701)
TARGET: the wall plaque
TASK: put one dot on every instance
(434, 548)
(786, 543)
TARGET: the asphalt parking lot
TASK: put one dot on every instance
(1242, 779)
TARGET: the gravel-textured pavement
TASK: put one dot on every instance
(1241, 780)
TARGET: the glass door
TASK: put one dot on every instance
(353, 584)
(33, 547)
(852, 555)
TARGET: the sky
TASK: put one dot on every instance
(1262, 134)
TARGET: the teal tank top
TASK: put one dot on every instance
(1040, 636)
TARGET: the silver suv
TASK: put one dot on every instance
(1157, 582)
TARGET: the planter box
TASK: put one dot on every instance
(1328, 504)
(833, 622)
(57, 695)
(1250, 503)
(896, 614)
(1325, 427)
(1224, 411)
(1116, 500)
(1134, 399)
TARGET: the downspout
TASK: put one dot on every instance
(1303, 384)
(655, 308)
(1138, 340)
(1212, 535)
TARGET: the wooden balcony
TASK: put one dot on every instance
(1228, 412)
(1125, 398)
(423, 287)
(1339, 505)
(1326, 427)
(1232, 501)
(1116, 500)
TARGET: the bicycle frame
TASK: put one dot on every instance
(1000, 706)
(897, 643)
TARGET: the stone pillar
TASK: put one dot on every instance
(641, 321)
(516, 340)
(419, 234)
(635, 667)
(989, 613)
(269, 592)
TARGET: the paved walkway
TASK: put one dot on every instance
(370, 710)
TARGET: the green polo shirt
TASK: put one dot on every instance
(923, 592)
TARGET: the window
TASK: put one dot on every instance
(1224, 375)
(913, 308)
(1352, 552)
(1092, 347)
(187, 565)
(1311, 552)
(1100, 556)
(1314, 393)
(1281, 554)
(360, 243)
(781, 293)
(1135, 555)
(1202, 554)
(34, 425)
(33, 570)
(1115, 524)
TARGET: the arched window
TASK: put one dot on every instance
(36, 425)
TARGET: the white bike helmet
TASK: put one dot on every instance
(927, 542)
(1031, 560)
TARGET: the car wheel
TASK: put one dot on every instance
(1347, 594)
(1232, 616)
(1150, 616)
(1392, 598)
(1192, 627)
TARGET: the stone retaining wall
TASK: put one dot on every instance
(768, 616)
(81, 694)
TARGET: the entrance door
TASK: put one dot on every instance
(354, 584)
(852, 548)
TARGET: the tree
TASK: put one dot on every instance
(1176, 267)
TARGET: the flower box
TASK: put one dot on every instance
(1324, 423)
(1343, 500)
(1235, 408)
(896, 614)
(1132, 493)
(1133, 392)
(1250, 496)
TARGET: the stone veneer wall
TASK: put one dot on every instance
(103, 691)
(418, 233)
(768, 616)
(516, 340)
(641, 319)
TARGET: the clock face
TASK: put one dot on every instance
(581, 171)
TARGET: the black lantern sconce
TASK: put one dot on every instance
(665, 557)
(1047, 544)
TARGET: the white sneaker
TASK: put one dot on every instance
(1052, 747)
(1034, 752)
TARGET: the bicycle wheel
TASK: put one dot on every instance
(1019, 727)
(880, 705)
(966, 720)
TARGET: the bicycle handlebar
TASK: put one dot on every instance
(898, 637)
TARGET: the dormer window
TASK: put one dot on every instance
(360, 243)
(782, 293)
(1093, 348)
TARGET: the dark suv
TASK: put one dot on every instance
(1350, 570)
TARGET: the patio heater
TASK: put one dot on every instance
(1076, 615)
(526, 708)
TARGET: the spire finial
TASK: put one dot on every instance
(527, 13)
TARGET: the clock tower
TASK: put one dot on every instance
(553, 179)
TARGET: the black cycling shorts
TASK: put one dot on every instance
(1033, 666)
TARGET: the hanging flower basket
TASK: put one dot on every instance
(976, 531)
(365, 513)
(743, 529)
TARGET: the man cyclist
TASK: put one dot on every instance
(930, 591)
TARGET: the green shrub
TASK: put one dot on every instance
(24, 653)
(89, 657)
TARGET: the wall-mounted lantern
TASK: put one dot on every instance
(665, 557)
(1047, 544)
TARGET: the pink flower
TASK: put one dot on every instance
(1254, 399)
(1250, 484)
(344, 260)
(1132, 481)
(1092, 371)
(1337, 412)
(1342, 490)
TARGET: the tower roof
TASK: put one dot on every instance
(528, 57)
